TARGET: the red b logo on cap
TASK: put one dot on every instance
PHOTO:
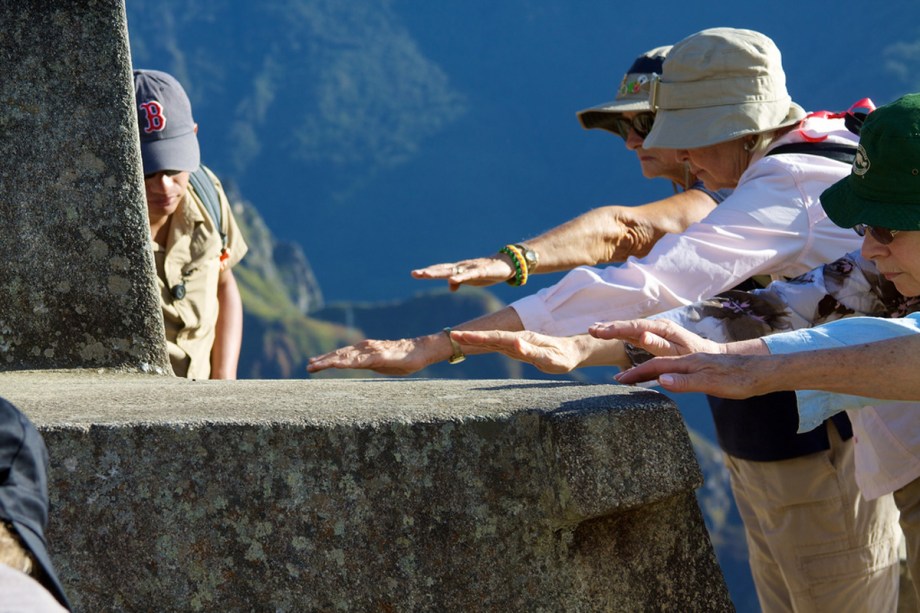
(153, 111)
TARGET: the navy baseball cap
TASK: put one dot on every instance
(632, 95)
(24, 490)
(164, 116)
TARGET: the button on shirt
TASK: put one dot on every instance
(192, 259)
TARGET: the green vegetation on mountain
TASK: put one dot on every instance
(278, 335)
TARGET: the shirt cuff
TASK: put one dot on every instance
(807, 339)
(534, 314)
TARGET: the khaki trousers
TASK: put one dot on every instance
(908, 500)
(814, 543)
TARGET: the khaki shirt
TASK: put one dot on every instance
(192, 258)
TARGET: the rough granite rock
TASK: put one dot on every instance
(77, 287)
(370, 495)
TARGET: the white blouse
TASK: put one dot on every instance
(772, 224)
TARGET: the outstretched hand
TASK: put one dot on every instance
(399, 357)
(659, 337)
(480, 271)
(691, 363)
(725, 376)
(550, 354)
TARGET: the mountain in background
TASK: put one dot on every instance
(383, 136)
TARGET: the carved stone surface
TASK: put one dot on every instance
(370, 495)
(77, 287)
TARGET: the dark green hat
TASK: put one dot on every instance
(883, 188)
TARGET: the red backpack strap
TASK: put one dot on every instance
(853, 118)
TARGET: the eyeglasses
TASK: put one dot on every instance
(883, 235)
(641, 123)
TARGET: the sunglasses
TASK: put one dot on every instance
(884, 236)
(641, 123)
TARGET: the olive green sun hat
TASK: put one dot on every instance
(883, 187)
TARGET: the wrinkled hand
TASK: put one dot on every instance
(657, 336)
(550, 354)
(480, 271)
(400, 357)
(725, 376)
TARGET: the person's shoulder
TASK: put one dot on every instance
(206, 176)
(718, 195)
(809, 153)
(208, 194)
(767, 168)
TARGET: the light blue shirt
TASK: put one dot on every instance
(817, 406)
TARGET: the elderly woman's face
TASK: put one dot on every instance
(718, 166)
(655, 162)
(898, 261)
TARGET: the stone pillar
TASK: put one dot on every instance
(373, 495)
(77, 283)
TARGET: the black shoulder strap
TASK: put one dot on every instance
(841, 153)
(204, 187)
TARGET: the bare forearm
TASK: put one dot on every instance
(600, 352)
(587, 240)
(885, 369)
(228, 337)
(551, 354)
(603, 235)
(438, 348)
(613, 233)
(505, 319)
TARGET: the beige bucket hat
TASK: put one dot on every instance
(632, 95)
(718, 85)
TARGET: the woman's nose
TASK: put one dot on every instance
(871, 248)
(633, 140)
